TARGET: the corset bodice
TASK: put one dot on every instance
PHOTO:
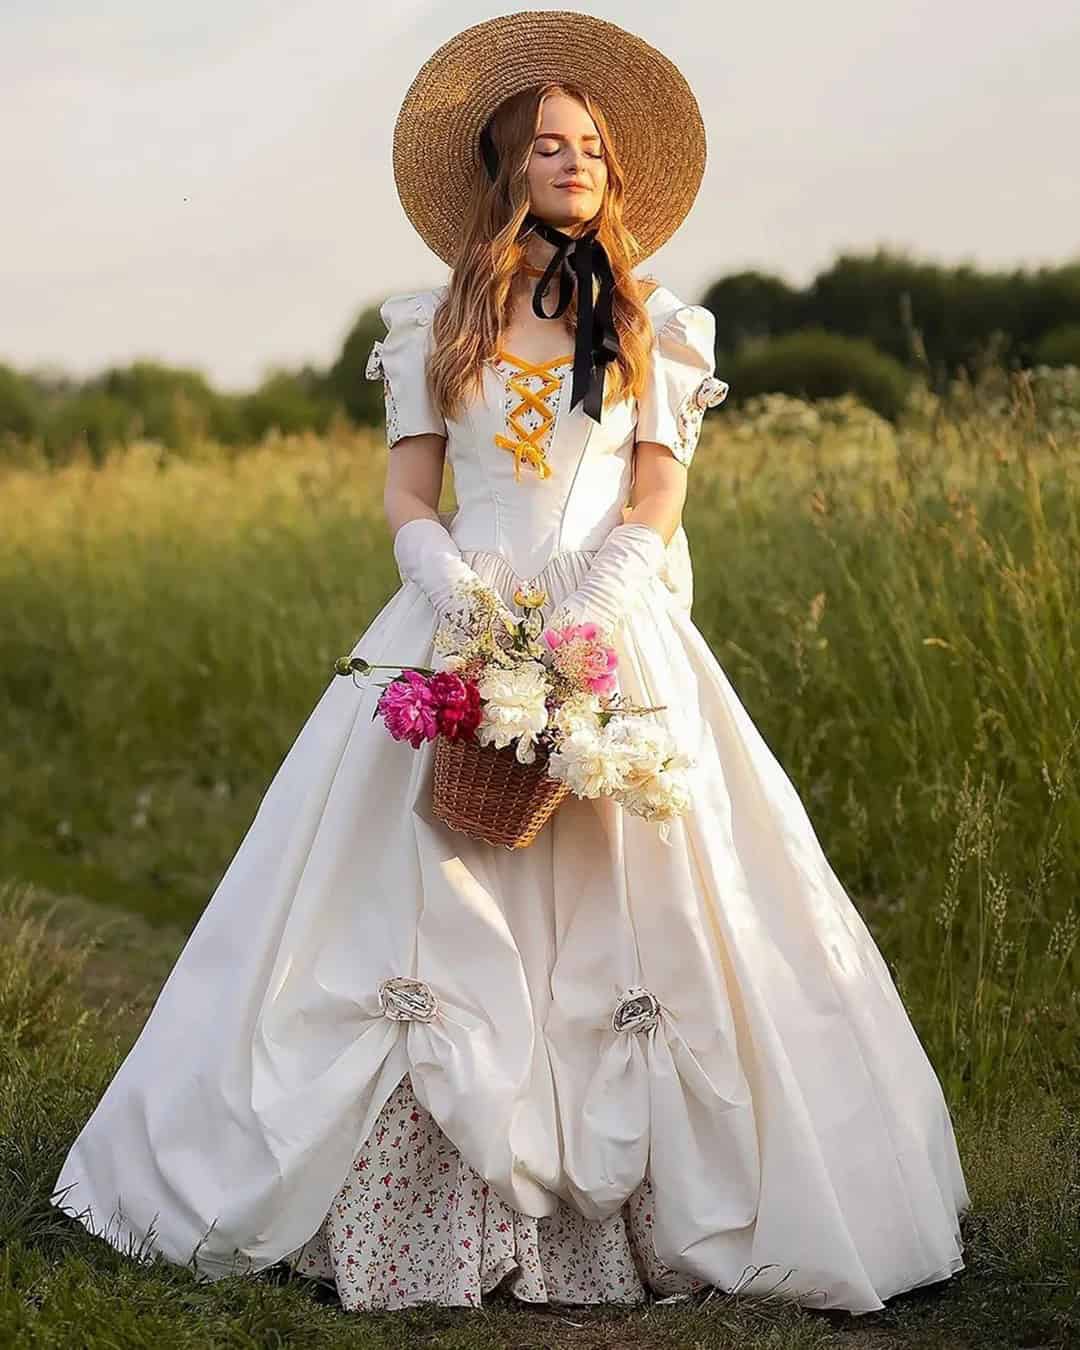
(533, 478)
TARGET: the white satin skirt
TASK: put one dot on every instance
(776, 1097)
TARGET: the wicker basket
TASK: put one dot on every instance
(487, 794)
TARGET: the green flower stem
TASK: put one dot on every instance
(358, 666)
(606, 714)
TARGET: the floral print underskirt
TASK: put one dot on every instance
(414, 1223)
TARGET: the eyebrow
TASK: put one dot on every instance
(558, 136)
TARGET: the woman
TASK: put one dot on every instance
(416, 1065)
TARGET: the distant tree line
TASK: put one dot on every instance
(890, 299)
(177, 406)
(865, 325)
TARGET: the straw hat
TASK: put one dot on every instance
(651, 109)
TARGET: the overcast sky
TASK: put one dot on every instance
(210, 184)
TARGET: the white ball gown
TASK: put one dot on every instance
(771, 1122)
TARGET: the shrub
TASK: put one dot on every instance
(92, 420)
(20, 415)
(960, 314)
(1059, 347)
(362, 398)
(169, 404)
(19, 407)
(813, 364)
(752, 305)
(289, 402)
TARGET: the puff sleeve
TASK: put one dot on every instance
(400, 361)
(682, 382)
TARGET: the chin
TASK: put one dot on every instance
(561, 217)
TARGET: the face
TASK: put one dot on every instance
(567, 171)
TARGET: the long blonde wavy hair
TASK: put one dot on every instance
(467, 324)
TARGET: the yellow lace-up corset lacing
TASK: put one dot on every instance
(529, 443)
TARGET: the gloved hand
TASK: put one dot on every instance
(622, 566)
(426, 553)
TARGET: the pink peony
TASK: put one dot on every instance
(461, 715)
(448, 690)
(603, 682)
(555, 637)
(599, 665)
(409, 709)
(582, 658)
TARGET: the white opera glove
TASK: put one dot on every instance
(426, 553)
(623, 565)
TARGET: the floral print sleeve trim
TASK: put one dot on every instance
(375, 370)
(400, 360)
(682, 382)
(691, 414)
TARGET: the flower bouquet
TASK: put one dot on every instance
(523, 714)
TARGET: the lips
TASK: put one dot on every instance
(573, 187)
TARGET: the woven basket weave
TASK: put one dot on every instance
(487, 794)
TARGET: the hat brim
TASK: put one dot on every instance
(653, 114)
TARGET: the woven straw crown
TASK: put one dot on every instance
(653, 114)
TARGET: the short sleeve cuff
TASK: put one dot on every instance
(400, 361)
(682, 383)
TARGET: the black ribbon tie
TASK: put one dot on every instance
(581, 258)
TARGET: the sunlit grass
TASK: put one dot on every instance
(897, 606)
(61, 1287)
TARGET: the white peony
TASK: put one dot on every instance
(640, 746)
(655, 782)
(637, 762)
(514, 708)
(580, 710)
(583, 760)
(662, 797)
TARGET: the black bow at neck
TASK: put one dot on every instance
(581, 258)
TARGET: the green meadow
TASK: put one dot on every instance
(897, 604)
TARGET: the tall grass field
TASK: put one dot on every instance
(896, 604)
